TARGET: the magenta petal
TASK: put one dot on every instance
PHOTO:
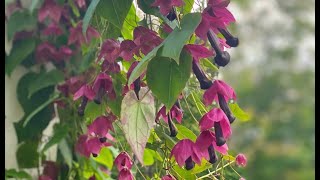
(204, 139)
(45, 52)
(110, 50)
(51, 9)
(221, 149)
(166, 28)
(216, 115)
(81, 146)
(199, 154)
(91, 33)
(44, 177)
(166, 5)
(100, 126)
(220, 87)
(225, 15)
(81, 3)
(229, 92)
(168, 177)
(145, 39)
(94, 145)
(176, 113)
(241, 160)
(86, 91)
(218, 3)
(198, 51)
(52, 29)
(128, 49)
(225, 126)
(105, 79)
(76, 35)
(65, 50)
(125, 174)
(110, 137)
(203, 27)
(163, 114)
(122, 161)
(182, 151)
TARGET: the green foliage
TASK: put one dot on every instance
(20, 50)
(174, 43)
(12, 173)
(65, 151)
(39, 121)
(44, 80)
(142, 66)
(238, 112)
(206, 63)
(148, 159)
(88, 15)
(93, 110)
(167, 79)
(114, 11)
(59, 133)
(28, 148)
(130, 22)
(188, 4)
(105, 157)
(20, 20)
(185, 133)
(145, 6)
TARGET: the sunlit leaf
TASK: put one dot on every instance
(137, 119)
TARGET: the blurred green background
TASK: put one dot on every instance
(272, 72)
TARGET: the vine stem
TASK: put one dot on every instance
(140, 172)
(144, 95)
(207, 175)
(235, 171)
(184, 98)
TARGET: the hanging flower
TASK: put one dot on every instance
(86, 93)
(50, 9)
(87, 145)
(52, 29)
(198, 51)
(145, 39)
(175, 113)
(168, 177)
(241, 160)
(218, 87)
(127, 49)
(76, 36)
(167, 5)
(110, 50)
(185, 153)
(102, 85)
(100, 128)
(123, 160)
(222, 93)
(206, 145)
(125, 174)
(217, 119)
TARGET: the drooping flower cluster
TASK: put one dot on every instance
(124, 164)
(215, 19)
(101, 86)
(57, 23)
(56, 19)
(144, 40)
(97, 136)
(174, 113)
